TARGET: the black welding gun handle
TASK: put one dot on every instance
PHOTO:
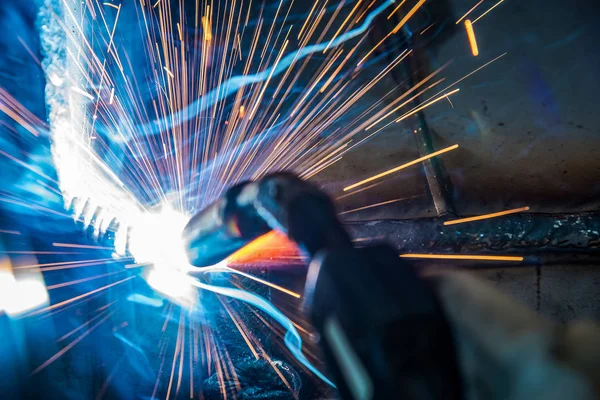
(302, 211)
(223, 228)
(280, 201)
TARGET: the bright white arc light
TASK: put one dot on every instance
(20, 296)
(156, 239)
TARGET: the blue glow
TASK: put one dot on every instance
(235, 83)
(292, 338)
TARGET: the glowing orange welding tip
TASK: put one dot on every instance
(472, 38)
(486, 216)
(462, 257)
(401, 167)
(242, 111)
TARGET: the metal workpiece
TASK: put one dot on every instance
(540, 238)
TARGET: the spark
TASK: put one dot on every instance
(169, 73)
(21, 115)
(378, 204)
(70, 345)
(192, 142)
(80, 327)
(252, 277)
(395, 30)
(64, 262)
(40, 252)
(401, 167)
(365, 11)
(81, 246)
(396, 9)
(485, 13)
(471, 73)
(426, 29)
(10, 232)
(82, 92)
(206, 29)
(25, 165)
(79, 297)
(77, 281)
(239, 328)
(408, 92)
(472, 38)
(342, 25)
(307, 18)
(61, 267)
(469, 12)
(236, 83)
(292, 338)
(31, 53)
(486, 216)
(428, 104)
(462, 257)
(111, 5)
(357, 191)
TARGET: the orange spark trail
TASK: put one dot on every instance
(267, 283)
(486, 216)
(396, 9)
(237, 325)
(426, 29)
(469, 12)
(81, 296)
(424, 106)
(378, 204)
(206, 28)
(395, 30)
(64, 263)
(75, 282)
(485, 13)
(462, 257)
(401, 167)
(472, 38)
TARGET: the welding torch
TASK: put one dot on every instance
(382, 329)
(388, 332)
